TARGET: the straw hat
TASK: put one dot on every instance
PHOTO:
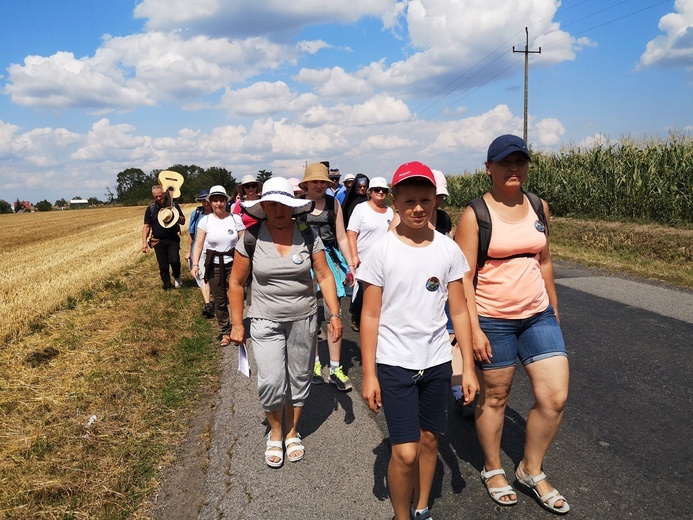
(168, 216)
(316, 172)
(277, 189)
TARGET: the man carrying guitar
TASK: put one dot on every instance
(163, 219)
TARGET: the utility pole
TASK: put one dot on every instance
(526, 52)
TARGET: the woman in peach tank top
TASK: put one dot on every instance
(514, 315)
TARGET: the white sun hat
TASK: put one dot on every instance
(277, 189)
(441, 183)
(218, 190)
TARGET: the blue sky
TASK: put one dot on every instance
(88, 89)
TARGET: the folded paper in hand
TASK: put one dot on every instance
(243, 363)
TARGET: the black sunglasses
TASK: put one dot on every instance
(252, 185)
(380, 190)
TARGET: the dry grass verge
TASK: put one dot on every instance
(96, 400)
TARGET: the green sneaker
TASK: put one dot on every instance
(337, 377)
(317, 374)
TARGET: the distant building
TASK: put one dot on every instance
(78, 203)
(24, 207)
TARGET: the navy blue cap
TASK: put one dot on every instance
(203, 195)
(504, 145)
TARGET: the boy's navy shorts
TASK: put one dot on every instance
(414, 400)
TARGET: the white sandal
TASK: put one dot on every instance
(496, 493)
(547, 501)
(270, 452)
(296, 445)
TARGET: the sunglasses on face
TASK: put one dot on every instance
(380, 190)
(252, 186)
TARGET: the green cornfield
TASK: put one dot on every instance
(644, 181)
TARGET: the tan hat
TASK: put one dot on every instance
(168, 217)
(316, 172)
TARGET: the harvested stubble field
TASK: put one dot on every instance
(99, 368)
(49, 258)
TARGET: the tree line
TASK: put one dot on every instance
(134, 187)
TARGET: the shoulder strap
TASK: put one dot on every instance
(250, 238)
(538, 208)
(307, 234)
(329, 207)
(151, 211)
(483, 220)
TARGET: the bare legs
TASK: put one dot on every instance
(549, 380)
(274, 418)
(407, 477)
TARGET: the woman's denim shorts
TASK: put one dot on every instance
(529, 339)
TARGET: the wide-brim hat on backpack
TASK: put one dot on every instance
(168, 217)
(280, 190)
(218, 191)
(317, 172)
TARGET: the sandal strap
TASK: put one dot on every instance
(501, 492)
(552, 497)
(296, 445)
(486, 475)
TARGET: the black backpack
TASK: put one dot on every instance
(483, 219)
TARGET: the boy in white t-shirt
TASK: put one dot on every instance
(408, 276)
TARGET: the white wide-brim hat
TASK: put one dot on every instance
(168, 217)
(218, 190)
(277, 189)
(441, 183)
(378, 182)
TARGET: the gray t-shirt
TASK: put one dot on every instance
(282, 286)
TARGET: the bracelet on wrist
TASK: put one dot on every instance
(336, 316)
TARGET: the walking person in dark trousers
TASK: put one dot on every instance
(161, 232)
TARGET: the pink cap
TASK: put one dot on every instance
(411, 170)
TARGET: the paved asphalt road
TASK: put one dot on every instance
(623, 452)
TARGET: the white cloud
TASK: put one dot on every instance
(550, 132)
(265, 98)
(675, 48)
(267, 17)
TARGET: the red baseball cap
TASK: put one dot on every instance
(411, 170)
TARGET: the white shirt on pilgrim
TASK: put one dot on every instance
(412, 332)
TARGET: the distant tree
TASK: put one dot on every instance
(77, 198)
(263, 175)
(44, 205)
(134, 186)
(93, 201)
(5, 207)
(110, 198)
(61, 203)
(17, 205)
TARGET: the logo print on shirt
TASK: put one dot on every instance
(432, 284)
(297, 259)
(539, 226)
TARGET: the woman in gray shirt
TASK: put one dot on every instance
(283, 310)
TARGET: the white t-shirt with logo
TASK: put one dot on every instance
(412, 332)
(221, 234)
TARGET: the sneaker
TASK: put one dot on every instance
(337, 377)
(317, 374)
(208, 310)
(177, 283)
(424, 515)
(354, 324)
